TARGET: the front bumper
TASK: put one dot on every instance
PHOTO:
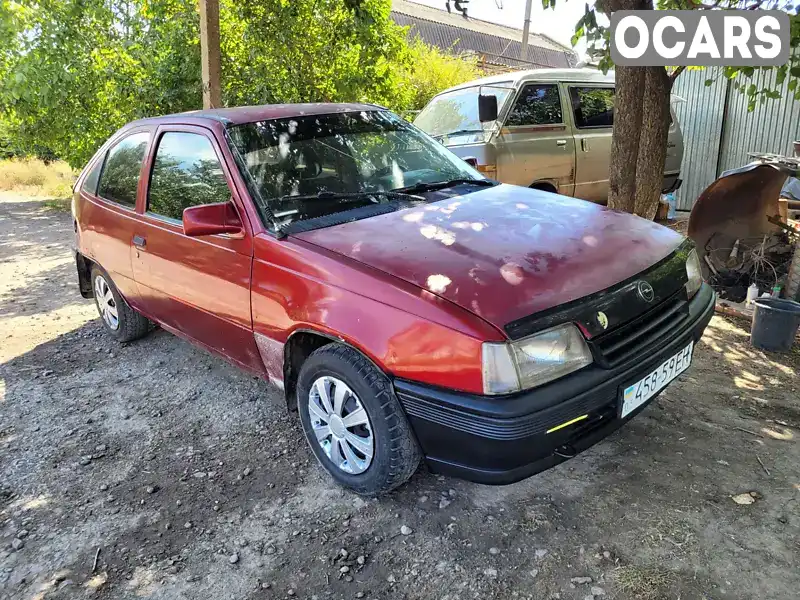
(500, 440)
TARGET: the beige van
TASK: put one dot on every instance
(551, 130)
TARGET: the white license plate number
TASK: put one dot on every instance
(640, 392)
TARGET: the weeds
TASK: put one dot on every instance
(642, 583)
(32, 177)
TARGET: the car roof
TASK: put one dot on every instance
(581, 75)
(249, 114)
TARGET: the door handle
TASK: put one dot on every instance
(584, 145)
(561, 142)
(139, 242)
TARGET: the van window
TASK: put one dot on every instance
(456, 113)
(538, 104)
(186, 172)
(120, 176)
(593, 106)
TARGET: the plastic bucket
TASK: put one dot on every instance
(775, 324)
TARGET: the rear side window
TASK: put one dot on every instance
(538, 104)
(120, 175)
(593, 107)
(186, 172)
(90, 183)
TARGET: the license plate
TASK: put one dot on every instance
(640, 392)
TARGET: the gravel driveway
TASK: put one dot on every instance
(154, 470)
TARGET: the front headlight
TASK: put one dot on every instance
(693, 273)
(533, 361)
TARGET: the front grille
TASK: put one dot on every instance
(654, 327)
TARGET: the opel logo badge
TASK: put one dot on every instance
(602, 319)
(645, 291)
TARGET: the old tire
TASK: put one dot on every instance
(119, 319)
(395, 454)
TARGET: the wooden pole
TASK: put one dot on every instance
(210, 53)
(526, 29)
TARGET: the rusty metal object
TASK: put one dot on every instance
(731, 217)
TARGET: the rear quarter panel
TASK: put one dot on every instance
(104, 234)
(297, 286)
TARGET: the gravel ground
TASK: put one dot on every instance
(156, 470)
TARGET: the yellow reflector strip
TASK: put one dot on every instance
(568, 423)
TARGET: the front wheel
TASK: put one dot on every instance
(353, 421)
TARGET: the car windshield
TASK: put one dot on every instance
(456, 113)
(310, 167)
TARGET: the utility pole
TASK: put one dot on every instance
(210, 53)
(526, 29)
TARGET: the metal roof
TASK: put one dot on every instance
(581, 75)
(498, 44)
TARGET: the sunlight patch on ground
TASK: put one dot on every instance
(60, 321)
(27, 503)
(144, 582)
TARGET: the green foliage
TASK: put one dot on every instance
(73, 71)
(430, 71)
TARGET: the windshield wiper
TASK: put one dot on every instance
(457, 132)
(352, 196)
(440, 185)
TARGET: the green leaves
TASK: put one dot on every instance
(73, 71)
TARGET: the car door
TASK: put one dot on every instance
(593, 116)
(196, 286)
(535, 145)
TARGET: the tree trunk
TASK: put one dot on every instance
(625, 138)
(652, 142)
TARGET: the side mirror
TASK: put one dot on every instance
(471, 161)
(211, 219)
(487, 107)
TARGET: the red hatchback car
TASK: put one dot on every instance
(407, 306)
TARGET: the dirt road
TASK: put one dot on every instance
(154, 470)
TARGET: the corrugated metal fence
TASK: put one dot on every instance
(718, 132)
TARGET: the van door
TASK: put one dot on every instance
(593, 118)
(535, 145)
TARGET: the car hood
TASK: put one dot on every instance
(504, 252)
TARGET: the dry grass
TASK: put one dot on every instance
(32, 177)
(642, 583)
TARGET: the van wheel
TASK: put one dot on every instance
(353, 421)
(119, 319)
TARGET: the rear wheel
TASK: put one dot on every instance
(119, 319)
(353, 421)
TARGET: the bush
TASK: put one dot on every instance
(32, 176)
(432, 71)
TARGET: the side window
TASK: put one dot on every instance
(120, 174)
(594, 107)
(90, 183)
(186, 172)
(538, 104)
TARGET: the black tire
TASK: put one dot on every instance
(396, 453)
(131, 325)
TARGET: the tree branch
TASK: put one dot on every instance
(674, 75)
